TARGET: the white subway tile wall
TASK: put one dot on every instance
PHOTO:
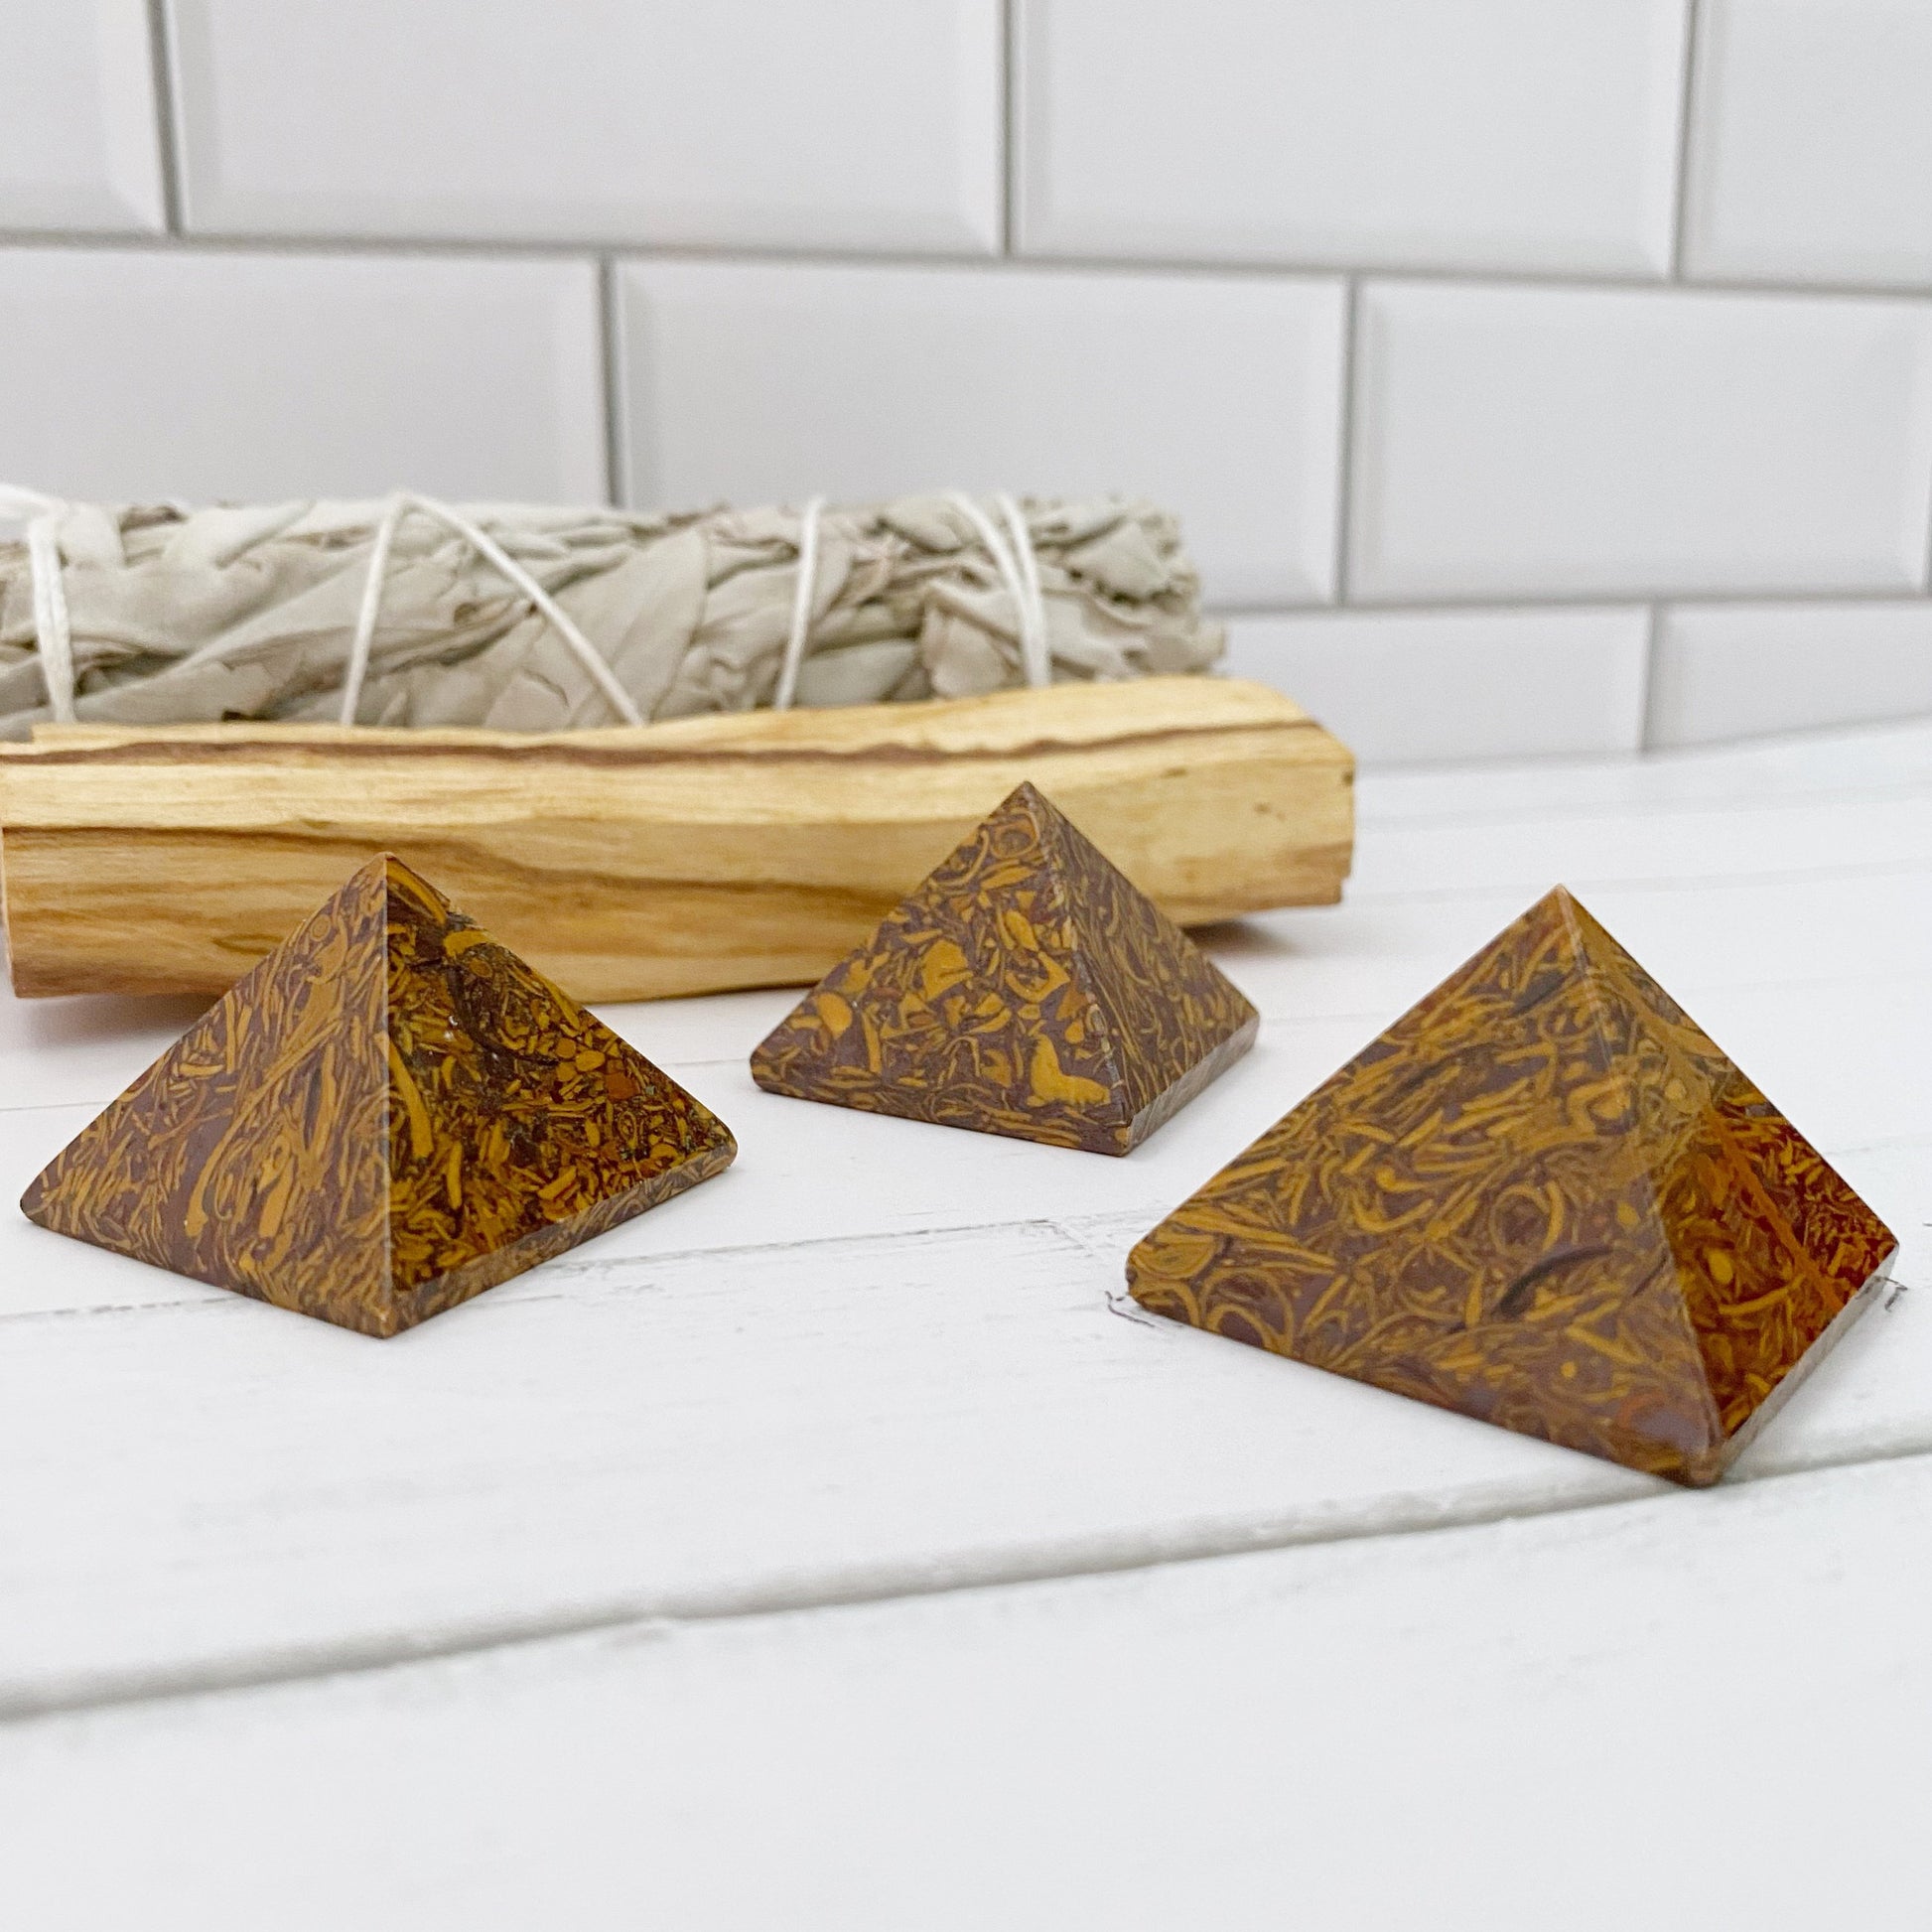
(1532, 376)
(840, 124)
(1615, 440)
(158, 374)
(1733, 670)
(1487, 134)
(1218, 395)
(79, 144)
(1404, 687)
(1813, 156)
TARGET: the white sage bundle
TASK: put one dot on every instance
(411, 613)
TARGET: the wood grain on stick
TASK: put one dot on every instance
(707, 853)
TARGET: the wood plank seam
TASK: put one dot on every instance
(1106, 1556)
(1081, 1230)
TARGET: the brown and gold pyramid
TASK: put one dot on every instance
(1544, 1198)
(1026, 988)
(389, 1114)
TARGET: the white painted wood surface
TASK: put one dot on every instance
(636, 1591)
(1697, 1710)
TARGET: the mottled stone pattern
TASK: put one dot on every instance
(519, 1124)
(252, 1154)
(1770, 1244)
(1024, 988)
(388, 1114)
(1543, 1197)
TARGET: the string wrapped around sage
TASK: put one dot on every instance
(406, 613)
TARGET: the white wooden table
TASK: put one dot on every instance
(831, 1548)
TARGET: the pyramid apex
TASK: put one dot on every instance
(1028, 796)
(1596, 951)
(398, 875)
(1028, 988)
(360, 896)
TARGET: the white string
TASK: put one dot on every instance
(1032, 631)
(486, 547)
(53, 635)
(1022, 581)
(360, 643)
(804, 587)
(51, 629)
(1018, 566)
(16, 501)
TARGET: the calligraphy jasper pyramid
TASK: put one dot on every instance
(389, 1114)
(1027, 987)
(1545, 1198)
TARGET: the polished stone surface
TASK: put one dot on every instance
(1543, 1197)
(389, 1114)
(1026, 988)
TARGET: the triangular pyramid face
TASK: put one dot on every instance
(253, 1154)
(389, 1114)
(1770, 1243)
(519, 1124)
(1026, 988)
(1545, 1198)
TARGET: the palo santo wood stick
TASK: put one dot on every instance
(704, 854)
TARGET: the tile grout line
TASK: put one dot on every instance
(1345, 430)
(1647, 693)
(1687, 882)
(166, 117)
(1009, 129)
(1635, 598)
(1685, 109)
(1925, 554)
(610, 374)
(763, 255)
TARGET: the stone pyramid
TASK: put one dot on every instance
(1026, 988)
(1542, 1197)
(389, 1114)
